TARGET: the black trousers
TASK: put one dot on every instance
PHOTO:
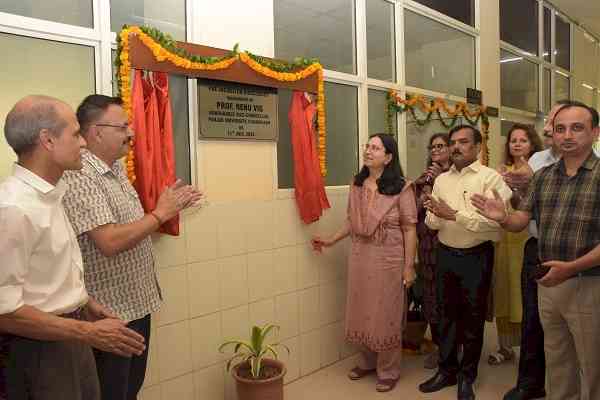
(532, 363)
(464, 278)
(40, 370)
(121, 378)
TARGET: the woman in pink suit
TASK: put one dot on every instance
(381, 224)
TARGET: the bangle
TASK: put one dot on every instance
(160, 221)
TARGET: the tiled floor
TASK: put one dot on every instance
(332, 384)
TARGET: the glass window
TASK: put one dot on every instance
(562, 85)
(378, 115)
(23, 74)
(341, 110)
(316, 28)
(178, 93)
(518, 82)
(585, 67)
(587, 94)
(519, 24)
(418, 140)
(563, 43)
(429, 47)
(285, 159)
(505, 126)
(547, 34)
(168, 16)
(462, 10)
(381, 47)
(72, 12)
(547, 90)
(507, 123)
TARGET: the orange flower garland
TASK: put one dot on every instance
(296, 76)
(162, 54)
(430, 106)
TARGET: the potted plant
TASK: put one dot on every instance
(257, 377)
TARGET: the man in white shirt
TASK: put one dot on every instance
(47, 321)
(465, 256)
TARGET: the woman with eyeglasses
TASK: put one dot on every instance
(381, 224)
(522, 141)
(438, 162)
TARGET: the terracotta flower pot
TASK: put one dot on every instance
(260, 389)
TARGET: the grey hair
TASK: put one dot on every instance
(26, 120)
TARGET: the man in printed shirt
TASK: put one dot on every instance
(45, 312)
(564, 201)
(114, 235)
(465, 257)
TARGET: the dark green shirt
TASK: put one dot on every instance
(567, 210)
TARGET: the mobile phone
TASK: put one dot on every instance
(539, 271)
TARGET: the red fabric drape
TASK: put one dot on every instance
(154, 148)
(143, 141)
(309, 189)
(166, 150)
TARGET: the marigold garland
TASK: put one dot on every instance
(396, 104)
(252, 62)
(164, 48)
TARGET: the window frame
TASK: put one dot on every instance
(364, 83)
(103, 41)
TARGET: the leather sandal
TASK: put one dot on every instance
(357, 373)
(385, 385)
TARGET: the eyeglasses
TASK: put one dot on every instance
(438, 147)
(373, 148)
(123, 127)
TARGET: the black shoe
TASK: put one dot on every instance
(522, 394)
(438, 382)
(465, 390)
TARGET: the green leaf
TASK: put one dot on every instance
(256, 339)
(236, 342)
(258, 363)
(272, 350)
(267, 329)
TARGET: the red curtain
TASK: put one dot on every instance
(154, 148)
(165, 152)
(309, 189)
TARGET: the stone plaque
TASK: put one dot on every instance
(236, 111)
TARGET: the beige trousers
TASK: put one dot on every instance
(570, 315)
(387, 362)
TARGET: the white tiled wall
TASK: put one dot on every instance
(235, 265)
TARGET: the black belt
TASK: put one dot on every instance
(480, 248)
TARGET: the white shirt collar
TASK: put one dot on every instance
(32, 179)
(38, 183)
(475, 166)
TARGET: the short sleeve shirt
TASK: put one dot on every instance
(566, 209)
(99, 195)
